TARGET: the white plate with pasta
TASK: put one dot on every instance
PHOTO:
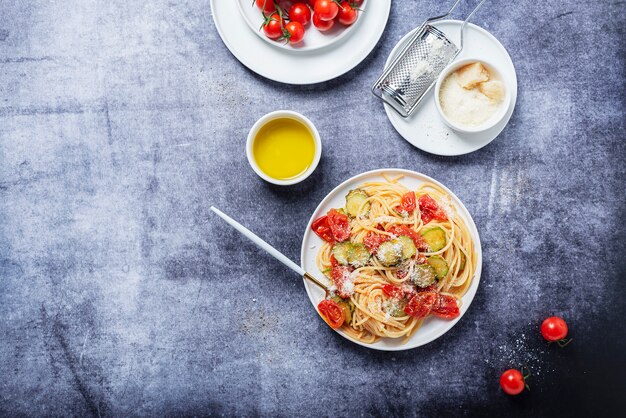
(401, 255)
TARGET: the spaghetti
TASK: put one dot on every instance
(394, 256)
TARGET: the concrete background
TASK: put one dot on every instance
(121, 294)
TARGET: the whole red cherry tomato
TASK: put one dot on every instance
(347, 14)
(273, 26)
(322, 25)
(512, 382)
(294, 32)
(326, 9)
(267, 6)
(300, 12)
(554, 329)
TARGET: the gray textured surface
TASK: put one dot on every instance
(121, 294)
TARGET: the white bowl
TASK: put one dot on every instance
(491, 122)
(280, 114)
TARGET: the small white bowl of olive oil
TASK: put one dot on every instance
(283, 147)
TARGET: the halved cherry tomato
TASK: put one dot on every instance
(300, 12)
(326, 9)
(554, 329)
(321, 227)
(331, 312)
(267, 6)
(418, 240)
(347, 14)
(420, 304)
(341, 276)
(430, 209)
(407, 203)
(393, 291)
(273, 26)
(294, 32)
(512, 382)
(339, 225)
(446, 307)
(373, 240)
(322, 25)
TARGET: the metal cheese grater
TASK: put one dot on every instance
(416, 68)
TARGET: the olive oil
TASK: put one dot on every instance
(284, 148)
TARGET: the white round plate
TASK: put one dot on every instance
(306, 67)
(313, 39)
(425, 129)
(432, 327)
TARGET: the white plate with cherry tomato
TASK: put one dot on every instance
(425, 129)
(314, 63)
(306, 25)
(432, 327)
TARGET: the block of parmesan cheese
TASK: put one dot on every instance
(471, 75)
(493, 89)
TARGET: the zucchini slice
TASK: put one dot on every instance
(423, 275)
(435, 238)
(440, 266)
(395, 307)
(358, 256)
(341, 251)
(354, 200)
(347, 307)
(408, 246)
(389, 253)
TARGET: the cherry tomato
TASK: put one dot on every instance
(512, 382)
(339, 224)
(407, 203)
(322, 25)
(373, 240)
(393, 291)
(300, 12)
(446, 307)
(312, 3)
(266, 6)
(326, 9)
(321, 227)
(420, 304)
(430, 209)
(273, 26)
(347, 15)
(554, 328)
(341, 276)
(331, 312)
(418, 240)
(294, 32)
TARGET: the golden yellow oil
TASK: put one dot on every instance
(284, 148)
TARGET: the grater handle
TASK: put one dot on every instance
(466, 20)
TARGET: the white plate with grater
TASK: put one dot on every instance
(424, 128)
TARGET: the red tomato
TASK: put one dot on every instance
(273, 26)
(418, 240)
(339, 224)
(373, 240)
(420, 304)
(393, 291)
(347, 14)
(407, 204)
(430, 209)
(321, 227)
(326, 9)
(300, 12)
(446, 307)
(341, 276)
(512, 382)
(267, 6)
(294, 32)
(312, 3)
(554, 328)
(331, 312)
(322, 25)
